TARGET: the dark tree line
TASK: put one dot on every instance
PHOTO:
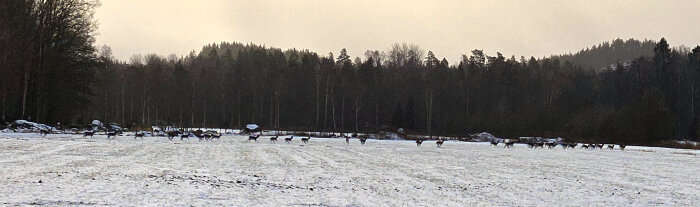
(51, 72)
(650, 99)
(47, 58)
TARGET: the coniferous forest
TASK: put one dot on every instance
(624, 91)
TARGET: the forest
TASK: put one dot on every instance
(624, 91)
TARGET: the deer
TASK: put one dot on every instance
(592, 146)
(600, 146)
(622, 147)
(494, 143)
(305, 140)
(253, 138)
(564, 145)
(419, 142)
(44, 132)
(509, 144)
(289, 139)
(363, 140)
(551, 145)
(439, 142)
(572, 145)
(185, 135)
(539, 144)
(273, 139)
(88, 133)
(584, 146)
(172, 134)
(140, 134)
(347, 140)
(530, 145)
(112, 134)
(611, 146)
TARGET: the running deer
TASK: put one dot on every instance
(363, 140)
(622, 147)
(611, 146)
(509, 144)
(584, 146)
(111, 134)
(253, 138)
(184, 135)
(347, 140)
(273, 139)
(494, 143)
(171, 134)
(305, 140)
(88, 133)
(564, 145)
(140, 134)
(288, 139)
(439, 142)
(419, 142)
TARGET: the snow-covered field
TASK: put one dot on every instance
(327, 172)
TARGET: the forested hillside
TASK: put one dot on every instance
(606, 54)
(63, 78)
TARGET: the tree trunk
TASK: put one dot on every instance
(24, 93)
(333, 108)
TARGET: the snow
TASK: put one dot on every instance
(252, 126)
(32, 125)
(96, 123)
(484, 137)
(327, 172)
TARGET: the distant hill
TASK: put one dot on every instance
(606, 54)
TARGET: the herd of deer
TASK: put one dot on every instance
(210, 136)
(565, 145)
(305, 140)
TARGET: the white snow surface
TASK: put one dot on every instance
(78, 171)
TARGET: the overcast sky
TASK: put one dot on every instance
(448, 28)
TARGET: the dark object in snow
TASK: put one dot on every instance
(288, 139)
(439, 142)
(185, 135)
(253, 137)
(139, 134)
(419, 142)
(172, 134)
(44, 132)
(112, 134)
(622, 147)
